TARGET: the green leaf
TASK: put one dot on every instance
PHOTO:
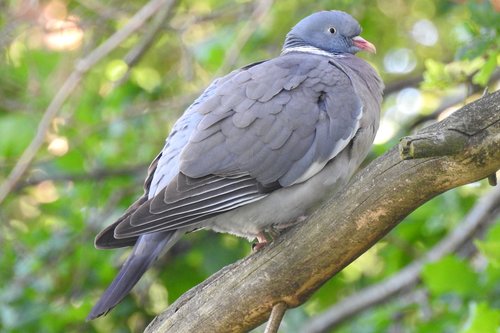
(115, 69)
(482, 319)
(491, 250)
(493, 233)
(16, 132)
(146, 77)
(490, 246)
(483, 76)
(435, 75)
(450, 275)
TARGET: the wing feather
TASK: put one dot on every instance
(226, 194)
(266, 126)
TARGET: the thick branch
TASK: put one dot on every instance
(432, 144)
(240, 296)
(484, 212)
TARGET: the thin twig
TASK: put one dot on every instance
(395, 86)
(93, 175)
(225, 12)
(273, 324)
(253, 23)
(451, 101)
(147, 39)
(8, 33)
(82, 67)
(483, 213)
(102, 10)
(94, 219)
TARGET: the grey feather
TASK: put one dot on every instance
(134, 267)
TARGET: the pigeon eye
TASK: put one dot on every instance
(332, 30)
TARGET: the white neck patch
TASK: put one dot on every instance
(309, 49)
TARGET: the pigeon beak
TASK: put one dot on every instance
(363, 44)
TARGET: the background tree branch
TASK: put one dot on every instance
(96, 174)
(81, 68)
(90, 162)
(244, 34)
(240, 296)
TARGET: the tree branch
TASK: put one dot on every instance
(82, 67)
(244, 34)
(92, 175)
(135, 54)
(277, 314)
(484, 212)
(452, 101)
(240, 296)
(397, 85)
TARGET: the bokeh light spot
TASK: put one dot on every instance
(115, 69)
(386, 131)
(425, 32)
(45, 192)
(400, 61)
(409, 101)
(58, 146)
(146, 77)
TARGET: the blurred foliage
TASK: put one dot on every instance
(115, 122)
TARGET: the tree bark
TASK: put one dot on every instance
(461, 149)
(481, 216)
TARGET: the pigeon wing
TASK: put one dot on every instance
(271, 125)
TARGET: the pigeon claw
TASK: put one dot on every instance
(262, 241)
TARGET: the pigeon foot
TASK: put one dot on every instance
(262, 241)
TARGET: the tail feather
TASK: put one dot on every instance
(145, 252)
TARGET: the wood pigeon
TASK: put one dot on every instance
(258, 150)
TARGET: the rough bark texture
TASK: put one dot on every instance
(462, 149)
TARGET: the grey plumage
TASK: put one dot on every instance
(258, 149)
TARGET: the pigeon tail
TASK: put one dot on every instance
(145, 252)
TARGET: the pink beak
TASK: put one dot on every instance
(363, 44)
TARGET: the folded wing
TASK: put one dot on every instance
(271, 125)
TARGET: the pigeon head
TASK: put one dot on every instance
(332, 31)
